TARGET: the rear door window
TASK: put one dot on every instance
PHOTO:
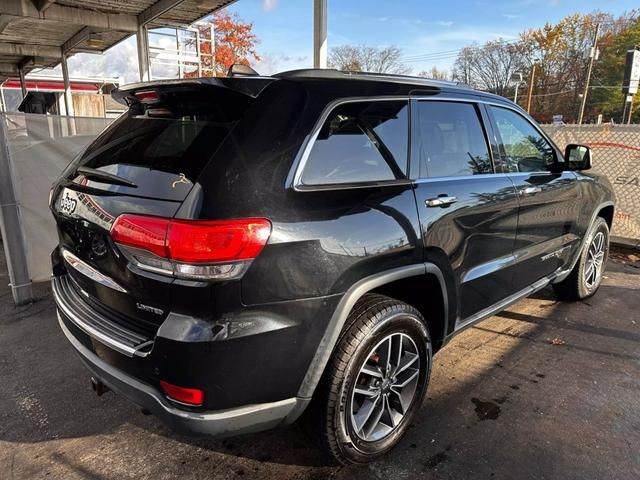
(452, 140)
(360, 142)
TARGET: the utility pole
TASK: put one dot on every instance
(592, 54)
(530, 94)
(320, 34)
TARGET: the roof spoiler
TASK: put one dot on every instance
(237, 87)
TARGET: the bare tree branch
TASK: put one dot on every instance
(363, 58)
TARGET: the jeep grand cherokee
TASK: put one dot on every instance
(235, 250)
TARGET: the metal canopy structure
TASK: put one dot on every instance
(43, 33)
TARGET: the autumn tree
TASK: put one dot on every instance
(559, 52)
(606, 95)
(561, 55)
(234, 42)
(363, 58)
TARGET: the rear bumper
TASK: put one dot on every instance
(245, 419)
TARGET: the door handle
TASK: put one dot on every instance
(530, 190)
(440, 201)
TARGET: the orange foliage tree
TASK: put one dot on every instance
(234, 42)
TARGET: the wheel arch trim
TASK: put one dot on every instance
(596, 211)
(340, 314)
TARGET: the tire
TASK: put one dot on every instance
(375, 323)
(580, 283)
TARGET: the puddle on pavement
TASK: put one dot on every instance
(486, 410)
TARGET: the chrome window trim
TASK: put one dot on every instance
(459, 178)
(305, 149)
(478, 176)
(295, 181)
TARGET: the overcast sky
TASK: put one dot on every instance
(418, 27)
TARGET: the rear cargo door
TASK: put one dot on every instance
(145, 163)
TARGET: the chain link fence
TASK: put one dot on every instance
(616, 155)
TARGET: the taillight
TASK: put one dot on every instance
(217, 249)
(148, 233)
(188, 396)
(217, 241)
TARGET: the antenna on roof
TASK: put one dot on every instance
(240, 70)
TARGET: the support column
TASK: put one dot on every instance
(11, 228)
(143, 53)
(320, 34)
(68, 100)
(23, 82)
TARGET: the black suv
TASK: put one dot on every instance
(233, 250)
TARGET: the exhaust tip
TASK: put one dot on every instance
(98, 387)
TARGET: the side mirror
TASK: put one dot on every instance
(578, 157)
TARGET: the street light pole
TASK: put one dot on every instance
(516, 78)
(530, 94)
(593, 53)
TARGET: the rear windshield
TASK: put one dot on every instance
(172, 145)
(159, 150)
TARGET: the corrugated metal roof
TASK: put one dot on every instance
(34, 32)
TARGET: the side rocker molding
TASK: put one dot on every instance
(339, 317)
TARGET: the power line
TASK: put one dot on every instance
(445, 54)
(454, 53)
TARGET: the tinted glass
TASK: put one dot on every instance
(162, 148)
(176, 145)
(452, 140)
(525, 148)
(360, 142)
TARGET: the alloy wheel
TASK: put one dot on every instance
(385, 387)
(595, 261)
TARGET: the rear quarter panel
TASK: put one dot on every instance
(597, 192)
(326, 241)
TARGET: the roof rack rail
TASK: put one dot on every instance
(333, 73)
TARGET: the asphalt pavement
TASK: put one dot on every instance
(545, 390)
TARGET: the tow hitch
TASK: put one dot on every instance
(98, 386)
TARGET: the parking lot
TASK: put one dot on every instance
(543, 390)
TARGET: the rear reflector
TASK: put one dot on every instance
(188, 396)
(192, 248)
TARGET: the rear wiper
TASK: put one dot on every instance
(104, 177)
